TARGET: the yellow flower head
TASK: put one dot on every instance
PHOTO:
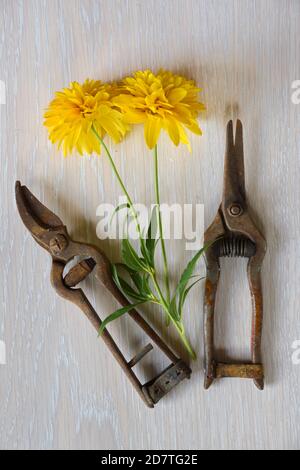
(161, 101)
(74, 110)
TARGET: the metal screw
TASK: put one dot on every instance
(58, 244)
(235, 210)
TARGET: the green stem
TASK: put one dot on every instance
(115, 170)
(160, 228)
(187, 345)
(178, 325)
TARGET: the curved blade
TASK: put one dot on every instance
(35, 216)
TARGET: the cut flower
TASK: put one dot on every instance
(74, 110)
(161, 101)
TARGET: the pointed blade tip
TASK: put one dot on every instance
(32, 211)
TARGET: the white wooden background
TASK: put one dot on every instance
(60, 387)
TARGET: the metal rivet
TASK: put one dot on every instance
(58, 244)
(235, 210)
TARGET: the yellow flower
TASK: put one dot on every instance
(74, 110)
(161, 101)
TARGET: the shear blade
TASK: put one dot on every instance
(234, 173)
(36, 217)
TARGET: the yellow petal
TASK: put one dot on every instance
(183, 138)
(111, 121)
(152, 130)
(194, 127)
(176, 95)
(173, 130)
(133, 116)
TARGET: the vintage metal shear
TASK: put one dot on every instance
(50, 233)
(233, 233)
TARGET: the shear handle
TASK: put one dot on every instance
(77, 297)
(67, 249)
(213, 369)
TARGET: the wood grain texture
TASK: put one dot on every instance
(60, 388)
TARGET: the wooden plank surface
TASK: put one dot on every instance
(60, 388)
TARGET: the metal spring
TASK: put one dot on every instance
(235, 246)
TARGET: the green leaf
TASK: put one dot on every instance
(144, 293)
(130, 292)
(124, 287)
(185, 277)
(144, 251)
(125, 267)
(138, 280)
(145, 285)
(189, 270)
(142, 284)
(135, 276)
(173, 311)
(185, 293)
(131, 258)
(116, 314)
(151, 242)
(115, 276)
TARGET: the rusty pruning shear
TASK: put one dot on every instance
(233, 233)
(51, 234)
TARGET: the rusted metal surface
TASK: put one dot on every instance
(79, 272)
(233, 233)
(242, 371)
(161, 385)
(50, 233)
(139, 356)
